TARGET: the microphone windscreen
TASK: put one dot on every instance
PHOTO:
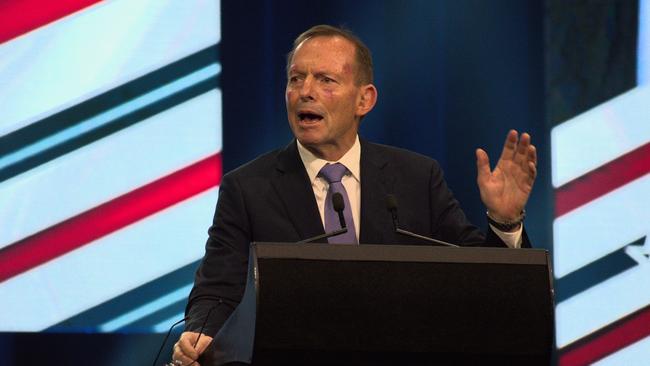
(337, 202)
(391, 203)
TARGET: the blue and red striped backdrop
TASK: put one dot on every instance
(110, 160)
(601, 166)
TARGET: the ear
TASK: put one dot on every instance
(367, 100)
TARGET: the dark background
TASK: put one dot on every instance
(452, 76)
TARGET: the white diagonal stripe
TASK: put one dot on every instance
(92, 51)
(600, 135)
(107, 267)
(603, 304)
(112, 166)
(111, 115)
(601, 227)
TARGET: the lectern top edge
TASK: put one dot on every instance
(400, 253)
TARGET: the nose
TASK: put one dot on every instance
(306, 89)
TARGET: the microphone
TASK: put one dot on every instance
(339, 206)
(391, 205)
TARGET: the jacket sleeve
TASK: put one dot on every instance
(221, 277)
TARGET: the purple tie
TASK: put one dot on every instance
(333, 174)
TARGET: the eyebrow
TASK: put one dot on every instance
(324, 73)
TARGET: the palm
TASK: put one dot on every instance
(506, 189)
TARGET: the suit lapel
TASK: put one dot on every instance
(376, 223)
(294, 189)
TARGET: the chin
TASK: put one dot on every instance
(308, 137)
(308, 140)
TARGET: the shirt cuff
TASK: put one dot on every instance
(513, 239)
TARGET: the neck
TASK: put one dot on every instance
(330, 152)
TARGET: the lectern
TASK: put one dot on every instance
(323, 304)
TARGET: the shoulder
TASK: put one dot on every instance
(397, 157)
(268, 165)
(253, 177)
(262, 165)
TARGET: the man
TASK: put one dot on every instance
(283, 196)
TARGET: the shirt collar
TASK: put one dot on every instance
(313, 164)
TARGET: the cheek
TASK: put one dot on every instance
(289, 96)
(328, 93)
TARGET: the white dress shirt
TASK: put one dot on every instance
(351, 180)
(352, 183)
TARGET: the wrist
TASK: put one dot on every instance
(506, 225)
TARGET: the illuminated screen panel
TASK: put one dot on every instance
(110, 160)
(600, 166)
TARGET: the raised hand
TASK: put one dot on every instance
(505, 190)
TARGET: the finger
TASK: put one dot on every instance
(532, 172)
(184, 359)
(178, 355)
(521, 154)
(204, 342)
(510, 146)
(532, 154)
(186, 345)
(177, 351)
(482, 165)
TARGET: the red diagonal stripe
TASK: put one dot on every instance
(109, 217)
(21, 16)
(615, 337)
(603, 180)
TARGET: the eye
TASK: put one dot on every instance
(294, 79)
(327, 80)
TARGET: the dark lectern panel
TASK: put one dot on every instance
(366, 304)
(391, 305)
(443, 307)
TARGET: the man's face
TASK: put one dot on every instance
(322, 96)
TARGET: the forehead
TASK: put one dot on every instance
(324, 51)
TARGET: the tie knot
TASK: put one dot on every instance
(333, 172)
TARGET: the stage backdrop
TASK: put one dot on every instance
(110, 159)
(599, 115)
(117, 119)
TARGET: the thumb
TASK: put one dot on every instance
(482, 165)
(203, 344)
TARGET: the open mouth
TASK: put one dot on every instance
(309, 117)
